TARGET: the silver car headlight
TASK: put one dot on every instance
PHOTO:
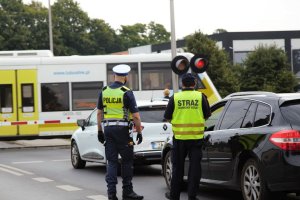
(157, 145)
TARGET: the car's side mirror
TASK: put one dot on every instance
(81, 123)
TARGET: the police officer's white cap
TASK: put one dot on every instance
(121, 70)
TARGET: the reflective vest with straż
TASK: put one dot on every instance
(187, 119)
(113, 104)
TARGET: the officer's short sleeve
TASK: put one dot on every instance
(129, 102)
(100, 102)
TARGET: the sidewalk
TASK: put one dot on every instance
(18, 144)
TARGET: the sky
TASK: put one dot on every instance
(197, 15)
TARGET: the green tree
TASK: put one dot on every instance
(134, 35)
(103, 37)
(220, 70)
(14, 32)
(267, 69)
(157, 33)
(70, 28)
(142, 34)
(36, 19)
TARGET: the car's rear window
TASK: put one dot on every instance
(152, 114)
(291, 111)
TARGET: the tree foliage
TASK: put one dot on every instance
(220, 69)
(26, 27)
(267, 69)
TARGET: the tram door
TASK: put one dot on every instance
(18, 102)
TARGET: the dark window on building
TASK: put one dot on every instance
(27, 98)
(133, 80)
(6, 98)
(235, 114)
(85, 95)
(55, 97)
(239, 56)
(262, 116)
(249, 118)
(296, 61)
(156, 76)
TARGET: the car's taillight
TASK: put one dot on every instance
(288, 140)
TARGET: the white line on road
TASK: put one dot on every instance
(42, 179)
(97, 197)
(11, 172)
(68, 188)
(16, 169)
(62, 160)
(28, 162)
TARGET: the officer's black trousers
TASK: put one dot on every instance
(181, 149)
(117, 138)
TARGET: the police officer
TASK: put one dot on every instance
(187, 111)
(116, 110)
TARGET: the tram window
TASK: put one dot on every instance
(133, 80)
(27, 98)
(6, 98)
(85, 95)
(55, 97)
(156, 76)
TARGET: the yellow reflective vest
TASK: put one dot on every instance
(187, 119)
(113, 104)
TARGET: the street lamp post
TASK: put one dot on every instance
(173, 45)
(50, 28)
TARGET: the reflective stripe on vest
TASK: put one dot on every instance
(187, 119)
(113, 103)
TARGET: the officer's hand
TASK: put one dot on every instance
(139, 138)
(101, 136)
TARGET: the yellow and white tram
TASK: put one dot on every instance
(41, 94)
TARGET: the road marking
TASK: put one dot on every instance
(28, 162)
(16, 169)
(62, 160)
(42, 179)
(11, 172)
(97, 197)
(68, 188)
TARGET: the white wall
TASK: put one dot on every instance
(250, 45)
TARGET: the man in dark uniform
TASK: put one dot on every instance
(116, 110)
(187, 111)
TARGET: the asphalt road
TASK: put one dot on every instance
(47, 174)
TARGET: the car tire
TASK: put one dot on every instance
(168, 169)
(76, 160)
(253, 184)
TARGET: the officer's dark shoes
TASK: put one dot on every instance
(132, 196)
(112, 197)
(168, 196)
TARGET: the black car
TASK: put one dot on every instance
(251, 143)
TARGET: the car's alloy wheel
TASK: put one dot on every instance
(76, 160)
(253, 184)
(168, 169)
